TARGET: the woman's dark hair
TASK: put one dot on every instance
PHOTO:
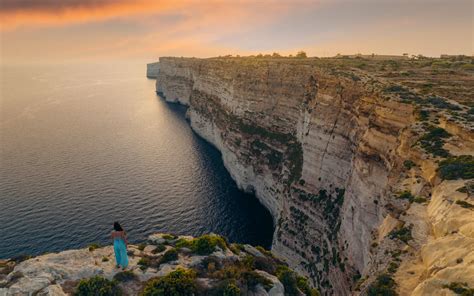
(117, 227)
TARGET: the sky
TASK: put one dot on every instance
(91, 30)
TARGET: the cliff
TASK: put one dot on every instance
(345, 156)
(152, 70)
(165, 265)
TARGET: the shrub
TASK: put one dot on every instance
(105, 259)
(180, 282)
(383, 285)
(406, 195)
(433, 142)
(93, 247)
(203, 245)
(97, 286)
(170, 255)
(288, 278)
(303, 285)
(442, 103)
(301, 54)
(159, 248)
(141, 246)
(231, 290)
(460, 288)
(464, 204)
(125, 276)
(144, 263)
(408, 164)
(403, 234)
(169, 236)
(419, 199)
(457, 167)
(392, 267)
(253, 278)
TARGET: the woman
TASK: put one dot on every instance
(120, 246)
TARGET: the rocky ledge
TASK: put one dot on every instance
(164, 265)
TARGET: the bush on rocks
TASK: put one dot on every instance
(180, 282)
(203, 245)
(125, 276)
(97, 286)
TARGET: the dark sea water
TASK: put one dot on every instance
(85, 145)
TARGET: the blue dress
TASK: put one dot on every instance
(120, 249)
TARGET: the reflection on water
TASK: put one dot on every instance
(83, 146)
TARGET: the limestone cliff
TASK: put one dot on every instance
(324, 146)
(152, 70)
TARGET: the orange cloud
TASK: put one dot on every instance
(12, 16)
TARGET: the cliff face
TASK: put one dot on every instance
(152, 70)
(321, 146)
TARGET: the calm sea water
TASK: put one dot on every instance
(85, 145)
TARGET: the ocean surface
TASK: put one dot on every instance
(83, 146)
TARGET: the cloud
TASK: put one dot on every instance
(24, 13)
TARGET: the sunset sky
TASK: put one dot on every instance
(81, 30)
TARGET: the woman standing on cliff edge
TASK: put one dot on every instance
(120, 246)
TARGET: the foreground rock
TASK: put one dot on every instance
(208, 263)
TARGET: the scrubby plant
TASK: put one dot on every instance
(384, 285)
(170, 255)
(231, 290)
(105, 259)
(433, 141)
(93, 246)
(253, 278)
(460, 289)
(301, 54)
(293, 283)
(406, 195)
(125, 276)
(159, 248)
(403, 234)
(97, 286)
(464, 204)
(203, 245)
(408, 164)
(144, 263)
(180, 282)
(457, 167)
(303, 286)
(169, 236)
(142, 246)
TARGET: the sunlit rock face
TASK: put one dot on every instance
(315, 145)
